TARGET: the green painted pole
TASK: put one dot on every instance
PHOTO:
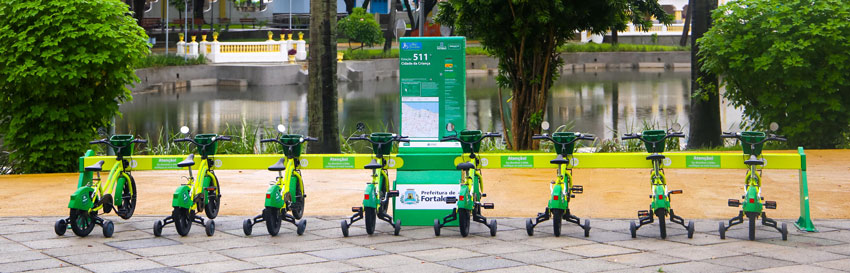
(804, 223)
(85, 176)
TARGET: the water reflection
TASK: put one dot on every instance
(599, 103)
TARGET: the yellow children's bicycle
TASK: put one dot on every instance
(286, 193)
(118, 193)
(754, 204)
(194, 197)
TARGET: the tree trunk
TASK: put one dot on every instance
(614, 37)
(198, 9)
(687, 27)
(349, 6)
(705, 109)
(322, 93)
(389, 33)
(138, 10)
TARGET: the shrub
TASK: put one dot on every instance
(64, 67)
(362, 27)
(785, 61)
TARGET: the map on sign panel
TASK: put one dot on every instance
(420, 117)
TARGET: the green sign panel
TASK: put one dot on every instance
(517, 161)
(168, 163)
(338, 163)
(432, 86)
(702, 161)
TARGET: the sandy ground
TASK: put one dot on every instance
(608, 193)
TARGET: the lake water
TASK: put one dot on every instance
(590, 102)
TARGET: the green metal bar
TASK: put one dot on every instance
(804, 223)
(85, 176)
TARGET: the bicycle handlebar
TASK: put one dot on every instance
(304, 139)
(397, 138)
(630, 136)
(580, 136)
(639, 136)
(488, 134)
(768, 138)
(106, 141)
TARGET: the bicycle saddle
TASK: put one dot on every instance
(559, 160)
(465, 166)
(189, 161)
(372, 165)
(655, 157)
(279, 166)
(753, 161)
(96, 167)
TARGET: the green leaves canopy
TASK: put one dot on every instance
(785, 61)
(64, 66)
(362, 27)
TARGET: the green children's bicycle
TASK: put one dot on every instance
(376, 198)
(193, 197)
(654, 141)
(562, 189)
(754, 204)
(118, 193)
(471, 186)
(286, 193)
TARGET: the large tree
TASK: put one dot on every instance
(322, 93)
(704, 115)
(525, 35)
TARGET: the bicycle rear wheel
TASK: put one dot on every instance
(214, 195)
(272, 217)
(182, 220)
(370, 220)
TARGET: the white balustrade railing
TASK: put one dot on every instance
(244, 52)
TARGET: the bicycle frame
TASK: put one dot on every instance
(660, 196)
(371, 196)
(560, 190)
(84, 197)
(184, 195)
(753, 191)
(274, 195)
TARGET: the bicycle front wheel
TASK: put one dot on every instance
(128, 203)
(214, 195)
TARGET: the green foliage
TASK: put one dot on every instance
(64, 67)
(362, 27)
(525, 37)
(785, 61)
(161, 60)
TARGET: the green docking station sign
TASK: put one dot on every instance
(432, 72)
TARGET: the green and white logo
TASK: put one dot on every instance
(702, 161)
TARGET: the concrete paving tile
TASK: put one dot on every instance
(21, 256)
(419, 233)
(653, 231)
(501, 248)
(800, 255)
(539, 256)
(842, 249)
(521, 269)
(418, 268)
(63, 269)
(693, 267)
(480, 263)
(323, 267)
(259, 270)
(602, 236)
(22, 228)
(517, 223)
(798, 268)
(366, 240)
(48, 263)
(746, 246)
(255, 251)
(748, 262)
(648, 244)
(346, 253)
(99, 257)
(126, 235)
(442, 254)
(696, 253)
(454, 241)
(839, 235)
(164, 250)
(142, 243)
(225, 244)
(802, 241)
(835, 224)
(406, 246)
(390, 260)
(60, 243)
(156, 270)
(120, 266)
(585, 265)
(190, 258)
(643, 259)
(285, 260)
(35, 235)
(597, 250)
(226, 266)
(616, 225)
(843, 264)
(519, 235)
(699, 239)
(12, 247)
(316, 245)
(555, 242)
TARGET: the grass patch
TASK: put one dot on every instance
(592, 47)
(162, 60)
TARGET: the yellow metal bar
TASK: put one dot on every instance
(489, 161)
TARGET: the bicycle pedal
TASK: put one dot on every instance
(577, 189)
(393, 193)
(209, 189)
(488, 205)
(770, 204)
(483, 195)
(451, 200)
(734, 202)
(572, 196)
(675, 192)
(643, 213)
(356, 209)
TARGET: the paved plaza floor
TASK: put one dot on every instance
(29, 243)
